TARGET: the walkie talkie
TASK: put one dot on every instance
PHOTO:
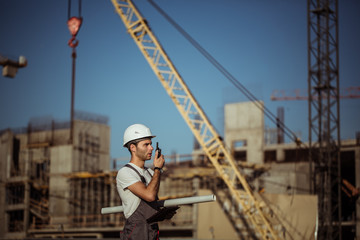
(158, 149)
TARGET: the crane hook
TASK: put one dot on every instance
(73, 42)
(74, 24)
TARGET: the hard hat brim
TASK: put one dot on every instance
(137, 139)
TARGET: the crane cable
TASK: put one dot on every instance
(228, 75)
(69, 9)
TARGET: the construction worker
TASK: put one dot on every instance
(138, 186)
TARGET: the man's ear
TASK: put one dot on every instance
(132, 147)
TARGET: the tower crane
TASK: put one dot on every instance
(301, 94)
(245, 200)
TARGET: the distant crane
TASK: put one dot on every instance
(301, 94)
(10, 67)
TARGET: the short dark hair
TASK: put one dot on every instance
(135, 142)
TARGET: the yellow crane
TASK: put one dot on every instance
(250, 205)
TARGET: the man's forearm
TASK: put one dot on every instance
(154, 184)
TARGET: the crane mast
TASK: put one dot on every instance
(204, 132)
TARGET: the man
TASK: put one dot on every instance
(138, 186)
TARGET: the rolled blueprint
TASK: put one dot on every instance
(167, 203)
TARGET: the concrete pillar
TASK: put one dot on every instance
(196, 187)
(61, 164)
(27, 191)
(357, 184)
(113, 196)
(244, 123)
(280, 155)
(6, 150)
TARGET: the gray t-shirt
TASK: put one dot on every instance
(125, 178)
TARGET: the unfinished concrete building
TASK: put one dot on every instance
(35, 162)
(52, 188)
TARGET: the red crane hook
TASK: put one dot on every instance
(74, 24)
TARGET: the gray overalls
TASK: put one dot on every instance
(136, 227)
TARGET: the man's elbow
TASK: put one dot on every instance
(150, 197)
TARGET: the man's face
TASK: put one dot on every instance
(144, 149)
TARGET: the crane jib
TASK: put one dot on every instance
(199, 124)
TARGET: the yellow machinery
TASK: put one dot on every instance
(252, 208)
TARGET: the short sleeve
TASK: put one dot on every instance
(126, 177)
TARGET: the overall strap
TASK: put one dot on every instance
(149, 172)
(141, 176)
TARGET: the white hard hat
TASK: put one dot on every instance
(136, 131)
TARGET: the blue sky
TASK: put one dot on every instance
(262, 43)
